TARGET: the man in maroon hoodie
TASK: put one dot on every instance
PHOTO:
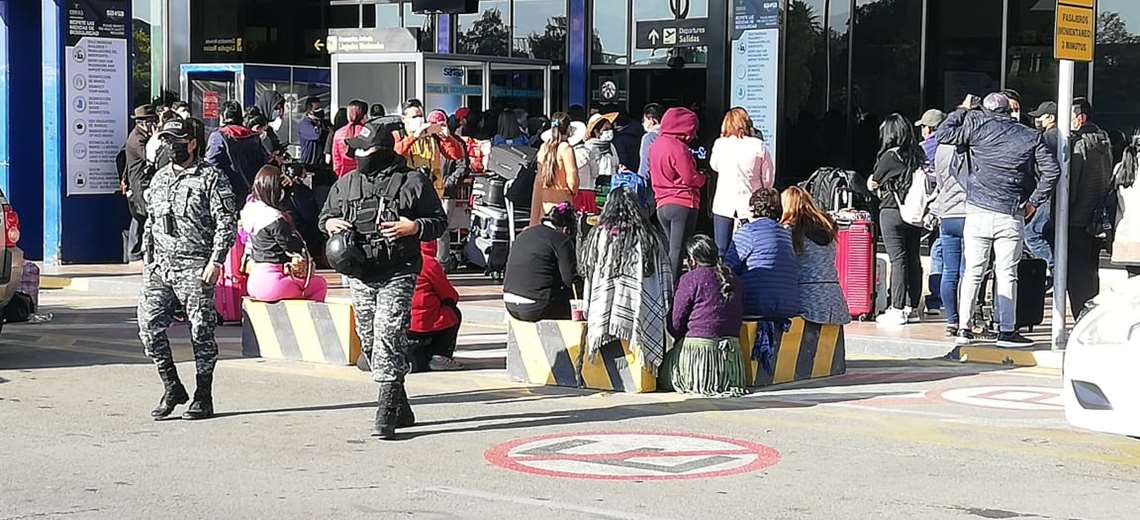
(676, 181)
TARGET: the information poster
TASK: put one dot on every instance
(756, 64)
(95, 72)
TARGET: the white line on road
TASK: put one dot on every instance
(562, 506)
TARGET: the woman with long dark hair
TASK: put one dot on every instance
(1126, 243)
(707, 312)
(557, 179)
(813, 236)
(629, 282)
(900, 156)
(509, 131)
(282, 269)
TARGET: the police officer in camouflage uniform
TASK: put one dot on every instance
(191, 228)
(377, 215)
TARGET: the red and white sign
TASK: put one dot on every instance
(1026, 398)
(210, 105)
(632, 456)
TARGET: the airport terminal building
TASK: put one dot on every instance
(817, 75)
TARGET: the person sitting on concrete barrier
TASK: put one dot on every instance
(282, 268)
(764, 259)
(541, 269)
(813, 236)
(707, 312)
(435, 317)
(629, 282)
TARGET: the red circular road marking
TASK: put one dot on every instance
(631, 456)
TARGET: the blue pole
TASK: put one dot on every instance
(52, 125)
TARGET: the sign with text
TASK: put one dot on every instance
(756, 64)
(666, 34)
(95, 71)
(1075, 37)
(348, 41)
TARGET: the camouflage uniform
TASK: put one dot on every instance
(192, 222)
(383, 316)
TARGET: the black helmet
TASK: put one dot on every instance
(345, 255)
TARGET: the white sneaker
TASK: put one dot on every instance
(912, 316)
(892, 317)
(443, 364)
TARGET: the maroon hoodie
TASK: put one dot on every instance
(672, 169)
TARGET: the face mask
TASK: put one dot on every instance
(376, 162)
(607, 136)
(275, 124)
(319, 113)
(177, 152)
(1016, 116)
(414, 124)
(1039, 124)
(184, 114)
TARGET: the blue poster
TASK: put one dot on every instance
(756, 64)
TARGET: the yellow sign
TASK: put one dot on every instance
(1076, 31)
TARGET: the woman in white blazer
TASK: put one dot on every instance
(743, 165)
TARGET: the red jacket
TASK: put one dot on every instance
(672, 168)
(342, 162)
(432, 289)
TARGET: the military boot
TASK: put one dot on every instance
(406, 418)
(173, 393)
(203, 405)
(387, 411)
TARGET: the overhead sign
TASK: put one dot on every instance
(96, 66)
(632, 456)
(1075, 36)
(666, 34)
(346, 41)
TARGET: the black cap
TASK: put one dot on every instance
(1046, 108)
(377, 132)
(175, 128)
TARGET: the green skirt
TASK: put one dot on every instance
(710, 367)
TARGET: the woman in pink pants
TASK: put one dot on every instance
(280, 270)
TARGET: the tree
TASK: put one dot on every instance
(551, 44)
(141, 70)
(1110, 28)
(488, 36)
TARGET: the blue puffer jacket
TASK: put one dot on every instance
(765, 262)
(1005, 157)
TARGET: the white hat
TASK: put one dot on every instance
(577, 134)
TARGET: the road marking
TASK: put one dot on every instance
(561, 506)
(632, 456)
(1025, 398)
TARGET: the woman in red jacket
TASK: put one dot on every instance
(435, 317)
(342, 161)
(676, 181)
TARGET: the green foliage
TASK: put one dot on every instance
(488, 36)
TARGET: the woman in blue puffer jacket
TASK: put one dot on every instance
(765, 262)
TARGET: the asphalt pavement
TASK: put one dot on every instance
(891, 439)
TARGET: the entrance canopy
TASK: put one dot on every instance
(444, 81)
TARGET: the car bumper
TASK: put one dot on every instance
(1102, 388)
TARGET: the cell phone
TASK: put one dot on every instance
(973, 101)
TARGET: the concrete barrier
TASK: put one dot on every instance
(807, 351)
(300, 330)
(553, 353)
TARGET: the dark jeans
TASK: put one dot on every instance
(953, 264)
(424, 345)
(723, 228)
(903, 242)
(135, 236)
(1038, 235)
(1084, 269)
(536, 312)
(679, 224)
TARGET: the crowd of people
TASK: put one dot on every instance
(613, 234)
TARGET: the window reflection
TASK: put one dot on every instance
(962, 58)
(540, 29)
(611, 33)
(805, 88)
(1117, 66)
(1031, 69)
(488, 32)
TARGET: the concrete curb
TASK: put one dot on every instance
(108, 284)
(1013, 357)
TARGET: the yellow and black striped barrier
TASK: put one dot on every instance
(300, 330)
(806, 351)
(553, 353)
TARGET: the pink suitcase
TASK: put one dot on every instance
(231, 285)
(856, 262)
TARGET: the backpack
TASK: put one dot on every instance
(633, 182)
(915, 203)
(831, 188)
(1102, 223)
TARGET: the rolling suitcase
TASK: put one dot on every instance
(490, 191)
(231, 286)
(1032, 276)
(856, 263)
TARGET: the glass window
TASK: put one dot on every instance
(419, 21)
(836, 122)
(609, 86)
(645, 10)
(1117, 66)
(611, 33)
(1031, 69)
(962, 58)
(540, 29)
(886, 57)
(805, 89)
(487, 33)
(142, 51)
(388, 14)
(348, 15)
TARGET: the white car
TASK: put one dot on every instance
(1102, 392)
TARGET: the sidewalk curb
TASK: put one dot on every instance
(121, 284)
(1011, 357)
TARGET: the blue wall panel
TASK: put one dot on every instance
(24, 180)
(576, 53)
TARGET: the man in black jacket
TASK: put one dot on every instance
(137, 175)
(1002, 190)
(388, 209)
(1090, 178)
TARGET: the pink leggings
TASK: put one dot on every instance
(269, 283)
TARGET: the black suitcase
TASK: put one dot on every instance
(1032, 276)
(491, 223)
(490, 190)
(508, 161)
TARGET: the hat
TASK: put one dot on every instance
(437, 117)
(1046, 108)
(377, 132)
(996, 102)
(576, 136)
(145, 112)
(462, 113)
(597, 119)
(931, 118)
(175, 128)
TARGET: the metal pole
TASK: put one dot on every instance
(1061, 205)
